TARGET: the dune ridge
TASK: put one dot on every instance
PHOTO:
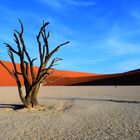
(69, 78)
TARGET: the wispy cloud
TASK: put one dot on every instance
(135, 14)
(94, 61)
(54, 3)
(128, 65)
(120, 47)
(80, 64)
(82, 2)
(101, 38)
(122, 38)
(61, 3)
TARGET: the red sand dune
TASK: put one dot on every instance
(76, 78)
(5, 78)
(68, 77)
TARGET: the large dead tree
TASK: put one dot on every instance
(32, 85)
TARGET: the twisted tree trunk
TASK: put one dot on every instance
(26, 67)
(31, 100)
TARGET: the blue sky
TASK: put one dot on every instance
(104, 35)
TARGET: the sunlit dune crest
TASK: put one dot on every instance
(68, 78)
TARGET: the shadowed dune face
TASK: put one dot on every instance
(127, 78)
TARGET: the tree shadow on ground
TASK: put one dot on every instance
(12, 106)
(20, 106)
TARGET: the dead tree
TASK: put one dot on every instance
(32, 85)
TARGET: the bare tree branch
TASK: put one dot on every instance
(27, 68)
(45, 38)
(42, 28)
(54, 51)
(52, 64)
(18, 43)
(27, 55)
(11, 49)
(33, 60)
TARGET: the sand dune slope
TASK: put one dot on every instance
(67, 77)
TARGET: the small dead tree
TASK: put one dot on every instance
(32, 85)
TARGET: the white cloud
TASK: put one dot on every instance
(61, 3)
(120, 47)
(94, 61)
(123, 38)
(82, 2)
(128, 65)
(135, 14)
(54, 3)
(77, 64)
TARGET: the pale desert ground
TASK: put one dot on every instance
(73, 113)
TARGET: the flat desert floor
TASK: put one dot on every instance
(73, 113)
